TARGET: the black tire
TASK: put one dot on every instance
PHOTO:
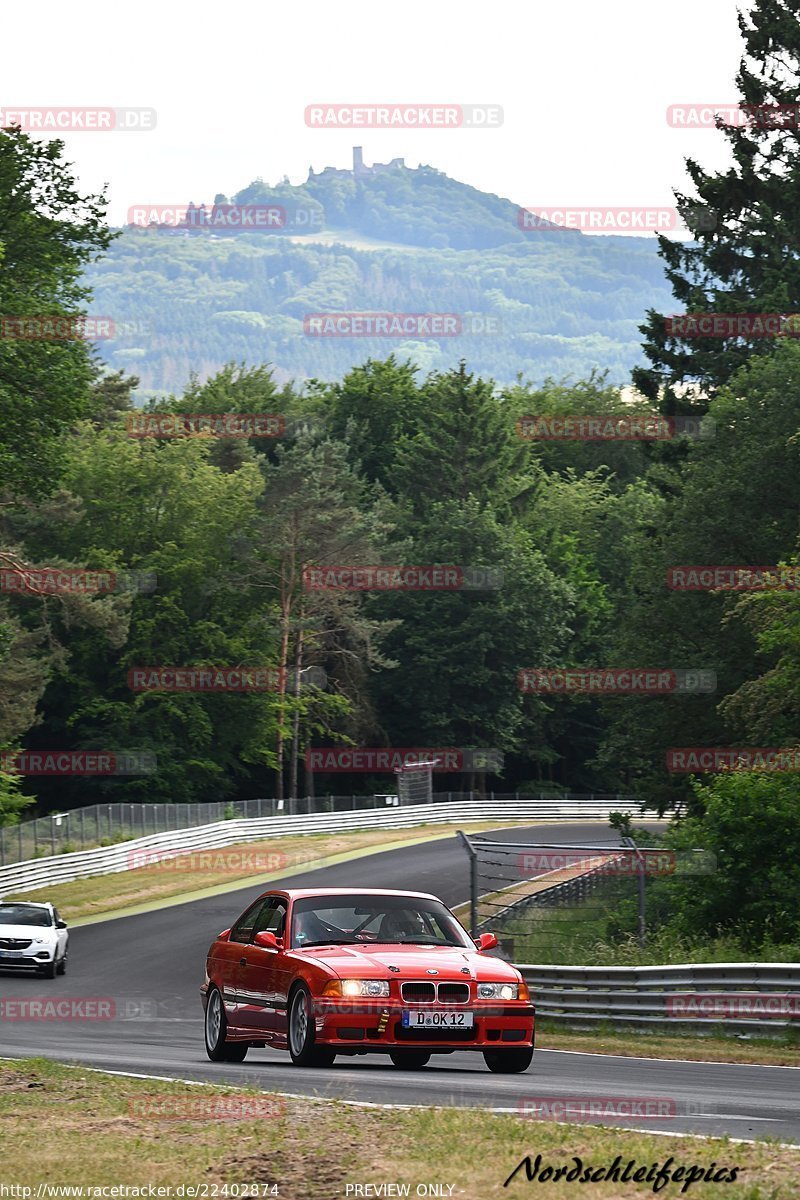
(301, 1032)
(410, 1060)
(215, 1026)
(509, 1062)
(61, 969)
(48, 970)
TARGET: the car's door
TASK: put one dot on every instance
(281, 974)
(227, 966)
(260, 993)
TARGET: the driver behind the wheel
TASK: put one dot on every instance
(309, 928)
(401, 925)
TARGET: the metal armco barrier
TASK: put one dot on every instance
(94, 825)
(106, 860)
(741, 997)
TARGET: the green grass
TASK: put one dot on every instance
(603, 931)
(70, 1126)
(780, 1051)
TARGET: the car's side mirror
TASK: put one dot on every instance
(486, 941)
(224, 936)
(61, 924)
(267, 941)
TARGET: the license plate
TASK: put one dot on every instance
(416, 1019)
(12, 953)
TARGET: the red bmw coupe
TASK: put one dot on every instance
(321, 972)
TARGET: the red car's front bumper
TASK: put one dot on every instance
(378, 1025)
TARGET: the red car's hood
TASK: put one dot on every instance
(373, 962)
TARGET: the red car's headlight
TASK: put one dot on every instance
(356, 987)
(503, 991)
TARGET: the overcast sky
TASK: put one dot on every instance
(584, 87)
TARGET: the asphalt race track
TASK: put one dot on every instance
(152, 965)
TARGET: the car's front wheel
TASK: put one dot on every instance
(410, 1060)
(62, 964)
(301, 1032)
(509, 1062)
(49, 969)
(216, 1028)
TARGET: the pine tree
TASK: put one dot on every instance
(748, 262)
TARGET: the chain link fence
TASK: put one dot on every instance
(556, 903)
(105, 824)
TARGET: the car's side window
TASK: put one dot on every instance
(271, 919)
(242, 931)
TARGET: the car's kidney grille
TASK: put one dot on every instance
(419, 991)
(454, 993)
(14, 943)
(445, 993)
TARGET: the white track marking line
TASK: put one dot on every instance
(703, 1137)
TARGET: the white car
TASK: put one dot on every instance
(33, 936)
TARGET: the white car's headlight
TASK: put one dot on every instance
(498, 991)
(365, 987)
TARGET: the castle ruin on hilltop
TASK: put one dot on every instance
(359, 168)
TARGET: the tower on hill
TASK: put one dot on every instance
(359, 170)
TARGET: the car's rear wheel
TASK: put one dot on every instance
(216, 1028)
(410, 1060)
(301, 1032)
(509, 1062)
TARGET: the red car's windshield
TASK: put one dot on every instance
(390, 920)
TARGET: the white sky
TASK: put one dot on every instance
(584, 87)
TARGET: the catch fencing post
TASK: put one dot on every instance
(640, 872)
(473, 883)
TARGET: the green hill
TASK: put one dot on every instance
(401, 240)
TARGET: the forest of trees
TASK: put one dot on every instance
(397, 463)
(553, 304)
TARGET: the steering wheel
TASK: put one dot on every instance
(363, 925)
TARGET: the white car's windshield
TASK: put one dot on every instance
(24, 914)
(388, 920)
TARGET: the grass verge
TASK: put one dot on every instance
(97, 1130)
(226, 868)
(774, 1052)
